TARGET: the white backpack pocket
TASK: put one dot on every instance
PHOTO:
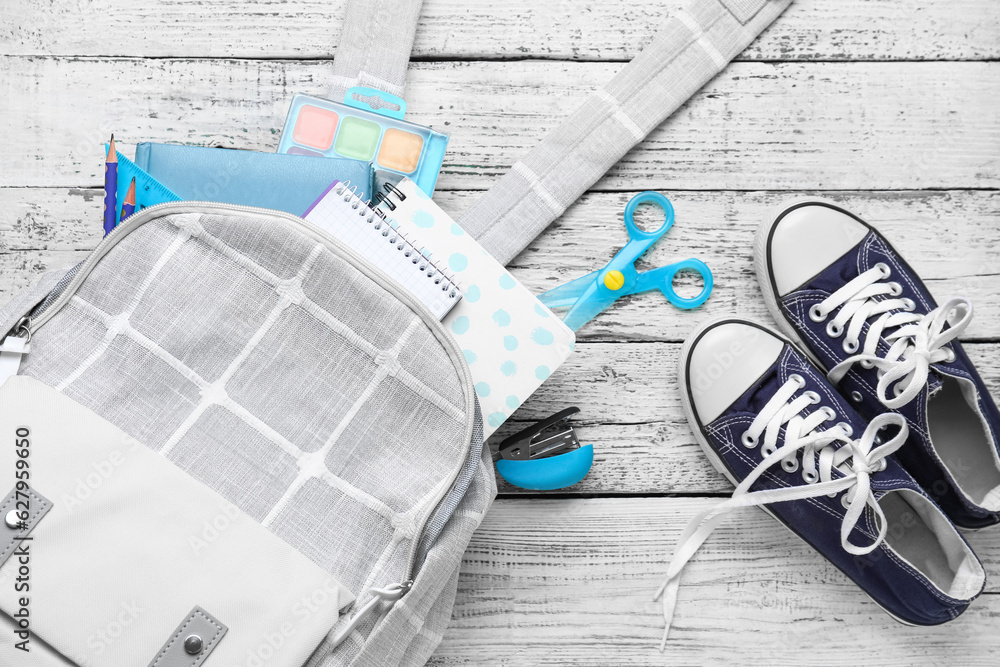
(113, 556)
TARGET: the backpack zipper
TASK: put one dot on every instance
(13, 348)
(31, 322)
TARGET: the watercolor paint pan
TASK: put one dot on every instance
(320, 127)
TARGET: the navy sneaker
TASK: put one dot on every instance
(839, 290)
(776, 428)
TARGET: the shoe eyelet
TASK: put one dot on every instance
(812, 396)
(882, 465)
(878, 440)
(829, 412)
(809, 477)
(748, 440)
(896, 289)
(951, 355)
(845, 502)
(884, 269)
(909, 305)
(846, 428)
(850, 346)
(856, 396)
(790, 465)
(834, 330)
(897, 389)
(867, 363)
(797, 379)
(816, 313)
(766, 451)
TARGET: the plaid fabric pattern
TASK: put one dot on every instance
(273, 370)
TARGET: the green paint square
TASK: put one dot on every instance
(358, 138)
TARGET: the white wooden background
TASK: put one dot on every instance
(889, 106)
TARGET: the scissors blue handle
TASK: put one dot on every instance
(588, 295)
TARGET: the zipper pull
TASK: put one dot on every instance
(390, 594)
(14, 346)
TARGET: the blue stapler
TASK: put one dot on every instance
(545, 456)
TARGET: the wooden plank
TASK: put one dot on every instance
(631, 411)
(809, 30)
(56, 219)
(756, 126)
(19, 269)
(950, 238)
(638, 382)
(622, 375)
(571, 582)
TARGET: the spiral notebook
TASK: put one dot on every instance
(384, 243)
(511, 341)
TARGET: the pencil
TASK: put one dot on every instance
(128, 208)
(110, 187)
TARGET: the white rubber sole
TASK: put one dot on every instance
(702, 441)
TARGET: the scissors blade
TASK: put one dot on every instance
(587, 307)
(567, 294)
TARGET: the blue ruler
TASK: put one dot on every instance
(148, 190)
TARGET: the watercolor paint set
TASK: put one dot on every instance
(320, 127)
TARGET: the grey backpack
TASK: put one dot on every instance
(242, 368)
(275, 366)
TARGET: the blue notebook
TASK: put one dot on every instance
(289, 183)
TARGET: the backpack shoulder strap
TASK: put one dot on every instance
(375, 45)
(695, 44)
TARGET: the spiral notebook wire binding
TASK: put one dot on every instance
(390, 231)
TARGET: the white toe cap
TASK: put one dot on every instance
(726, 359)
(807, 238)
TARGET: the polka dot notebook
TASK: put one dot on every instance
(511, 342)
(384, 243)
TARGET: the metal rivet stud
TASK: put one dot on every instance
(193, 645)
(11, 520)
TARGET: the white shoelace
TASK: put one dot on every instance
(915, 341)
(856, 459)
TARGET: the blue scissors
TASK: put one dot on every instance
(588, 295)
